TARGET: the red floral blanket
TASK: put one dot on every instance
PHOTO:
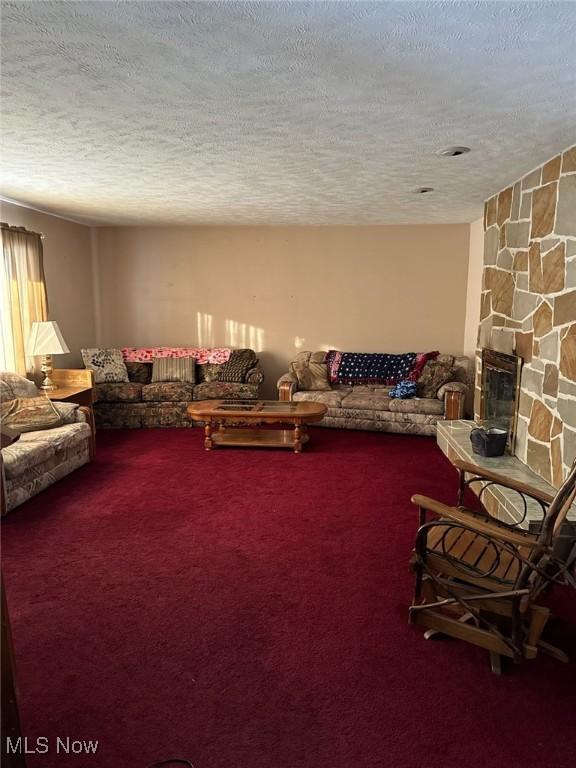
(202, 355)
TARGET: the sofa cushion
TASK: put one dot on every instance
(422, 405)
(171, 369)
(382, 390)
(140, 373)
(167, 391)
(107, 364)
(208, 372)
(215, 390)
(434, 374)
(29, 414)
(369, 401)
(35, 448)
(331, 399)
(240, 362)
(118, 393)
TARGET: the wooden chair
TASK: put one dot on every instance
(481, 580)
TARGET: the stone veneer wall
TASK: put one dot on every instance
(528, 305)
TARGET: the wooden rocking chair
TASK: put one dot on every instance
(479, 579)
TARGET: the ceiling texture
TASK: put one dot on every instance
(285, 113)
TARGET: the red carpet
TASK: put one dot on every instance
(248, 609)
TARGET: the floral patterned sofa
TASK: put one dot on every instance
(39, 458)
(142, 403)
(443, 385)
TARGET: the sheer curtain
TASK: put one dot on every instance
(22, 295)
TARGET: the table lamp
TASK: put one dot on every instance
(46, 339)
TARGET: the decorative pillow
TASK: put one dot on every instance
(311, 376)
(107, 364)
(29, 414)
(434, 375)
(174, 369)
(240, 362)
(139, 373)
(209, 372)
(311, 370)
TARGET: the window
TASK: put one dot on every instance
(22, 295)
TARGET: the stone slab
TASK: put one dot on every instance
(549, 346)
(565, 308)
(566, 213)
(543, 210)
(517, 234)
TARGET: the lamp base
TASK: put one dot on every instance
(47, 368)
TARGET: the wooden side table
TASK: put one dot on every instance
(75, 386)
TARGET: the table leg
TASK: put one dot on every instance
(297, 438)
(208, 436)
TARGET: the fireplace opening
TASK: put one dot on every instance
(500, 389)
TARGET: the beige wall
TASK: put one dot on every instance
(473, 293)
(279, 290)
(68, 268)
(474, 287)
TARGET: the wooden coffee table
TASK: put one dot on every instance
(230, 418)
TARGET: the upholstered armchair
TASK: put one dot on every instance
(39, 456)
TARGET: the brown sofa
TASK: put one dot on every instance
(141, 403)
(369, 406)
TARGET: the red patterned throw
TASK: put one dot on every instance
(217, 355)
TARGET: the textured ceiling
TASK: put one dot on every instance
(280, 112)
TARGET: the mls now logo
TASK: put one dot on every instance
(70, 746)
(41, 745)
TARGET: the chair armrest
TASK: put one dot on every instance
(506, 482)
(87, 414)
(479, 525)
(255, 375)
(287, 385)
(68, 412)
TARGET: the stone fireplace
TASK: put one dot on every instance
(528, 308)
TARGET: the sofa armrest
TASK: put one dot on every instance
(255, 375)
(287, 385)
(451, 386)
(453, 394)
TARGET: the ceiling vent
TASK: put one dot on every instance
(453, 151)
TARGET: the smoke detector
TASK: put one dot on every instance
(453, 151)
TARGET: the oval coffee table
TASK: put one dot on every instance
(232, 422)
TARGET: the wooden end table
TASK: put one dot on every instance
(75, 386)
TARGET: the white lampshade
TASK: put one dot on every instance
(46, 339)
